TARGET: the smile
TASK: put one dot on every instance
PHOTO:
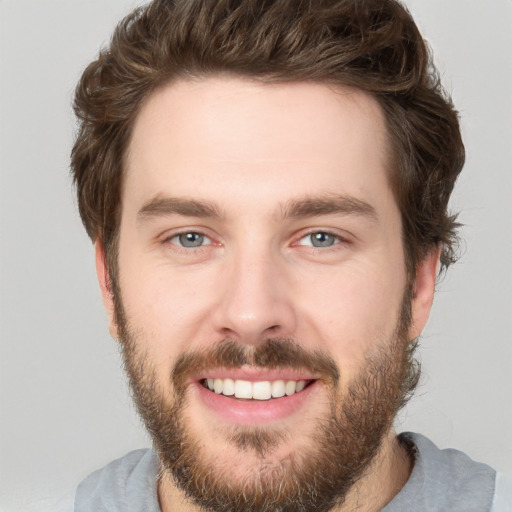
(255, 396)
(246, 397)
(258, 390)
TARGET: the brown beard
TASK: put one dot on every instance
(315, 480)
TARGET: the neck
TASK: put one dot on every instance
(383, 480)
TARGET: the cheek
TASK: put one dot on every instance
(169, 307)
(352, 312)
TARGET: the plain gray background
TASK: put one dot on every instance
(65, 410)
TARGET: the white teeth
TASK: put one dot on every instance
(243, 389)
(217, 386)
(260, 390)
(301, 384)
(229, 387)
(278, 388)
(290, 387)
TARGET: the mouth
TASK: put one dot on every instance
(254, 399)
(255, 390)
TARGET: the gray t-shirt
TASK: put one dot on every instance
(441, 481)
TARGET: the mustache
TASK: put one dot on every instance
(272, 353)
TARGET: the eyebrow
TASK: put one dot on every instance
(164, 206)
(331, 204)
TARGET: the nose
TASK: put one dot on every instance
(255, 300)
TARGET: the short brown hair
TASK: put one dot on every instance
(373, 45)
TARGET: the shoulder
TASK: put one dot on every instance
(132, 480)
(503, 494)
(444, 480)
(449, 463)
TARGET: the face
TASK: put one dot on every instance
(262, 301)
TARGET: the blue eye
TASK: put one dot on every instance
(191, 240)
(320, 239)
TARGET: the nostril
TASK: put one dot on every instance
(273, 331)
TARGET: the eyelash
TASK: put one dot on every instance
(338, 240)
(184, 233)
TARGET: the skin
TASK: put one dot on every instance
(251, 150)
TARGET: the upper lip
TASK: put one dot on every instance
(255, 374)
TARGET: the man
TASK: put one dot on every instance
(266, 184)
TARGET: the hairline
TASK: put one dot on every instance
(390, 144)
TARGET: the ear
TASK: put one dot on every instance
(423, 291)
(106, 287)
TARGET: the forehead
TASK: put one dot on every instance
(220, 136)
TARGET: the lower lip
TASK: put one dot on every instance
(251, 412)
